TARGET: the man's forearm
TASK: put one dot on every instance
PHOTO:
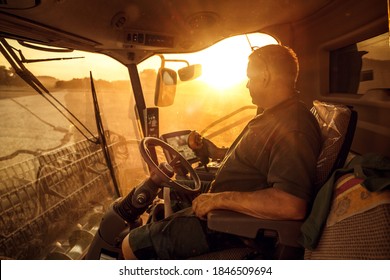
(266, 204)
(218, 154)
(269, 203)
(215, 153)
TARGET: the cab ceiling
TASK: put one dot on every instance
(131, 30)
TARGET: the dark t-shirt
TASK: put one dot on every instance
(278, 148)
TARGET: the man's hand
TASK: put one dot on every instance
(204, 148)
(196, 143)
(195, 140)
(203, 204)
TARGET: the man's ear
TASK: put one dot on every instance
(266, 77)
(265, 74)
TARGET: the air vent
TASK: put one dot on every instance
(119, 21)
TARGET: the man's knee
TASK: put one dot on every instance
(126, 249)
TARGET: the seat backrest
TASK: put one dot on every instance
(337, 124)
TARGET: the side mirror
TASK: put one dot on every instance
(190, 72)
(164, 94)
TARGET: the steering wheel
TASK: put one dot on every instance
(177, 157)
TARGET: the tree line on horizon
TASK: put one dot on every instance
(8, 77)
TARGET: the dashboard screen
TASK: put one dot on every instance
(179, 141)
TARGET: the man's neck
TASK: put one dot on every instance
(279, 102)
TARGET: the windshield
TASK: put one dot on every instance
(217, 104)
(32, 123)
(55, 180)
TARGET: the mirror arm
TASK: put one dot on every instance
(163, 60)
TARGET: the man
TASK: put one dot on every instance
(268, 172)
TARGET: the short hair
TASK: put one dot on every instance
(278, 59)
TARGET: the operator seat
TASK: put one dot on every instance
(337, 123)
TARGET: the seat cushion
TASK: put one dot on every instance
(362, 236)
(358, 225)
(351, 198)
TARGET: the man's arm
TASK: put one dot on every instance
(271, 203)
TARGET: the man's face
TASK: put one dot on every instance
(256, 84)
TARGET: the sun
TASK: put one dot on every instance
(224, 64)
(221, 69)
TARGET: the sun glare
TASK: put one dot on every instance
(222, 67)
(224, 64)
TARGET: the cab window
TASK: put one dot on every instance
(361, 67)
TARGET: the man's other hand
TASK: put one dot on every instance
(195, 140)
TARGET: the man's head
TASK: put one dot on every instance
(272, 72)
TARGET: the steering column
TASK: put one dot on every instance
(124, 214)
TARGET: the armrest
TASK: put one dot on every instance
(247, 226)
